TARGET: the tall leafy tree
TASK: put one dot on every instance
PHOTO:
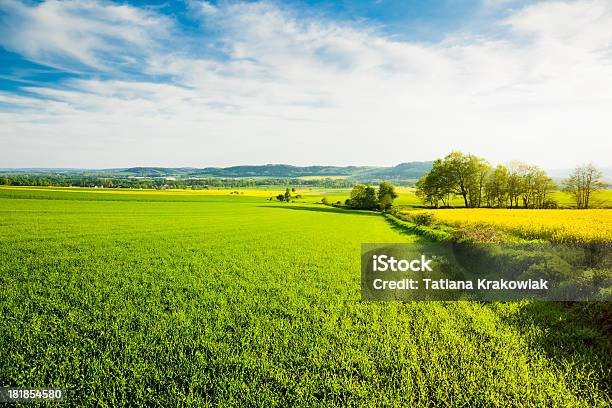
(437, 185)
(458, 173)
(386, 195)
(496, 187)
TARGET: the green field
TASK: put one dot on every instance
(407, 198)
(168, 300)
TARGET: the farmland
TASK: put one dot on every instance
(203, 298)
(552, 225)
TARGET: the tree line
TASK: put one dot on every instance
(162, 183)
(515, 185)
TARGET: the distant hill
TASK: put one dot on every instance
(152, 171)
(280, 170)
(404, 171)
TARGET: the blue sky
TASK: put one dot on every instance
(422, 21)
(93, 83)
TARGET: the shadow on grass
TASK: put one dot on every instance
(571, 333)
(322, 208)
(407, 231)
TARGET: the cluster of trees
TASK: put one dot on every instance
(367, 198)
(479, 184)
(58, 181)
(287, 196)
(512, 186)
(161, 182)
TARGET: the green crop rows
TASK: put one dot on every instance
(226, 300)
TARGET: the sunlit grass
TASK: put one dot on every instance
(164, 299)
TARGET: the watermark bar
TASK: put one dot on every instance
(486, 272)
(23, 394)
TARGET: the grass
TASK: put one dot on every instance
(167, 299)
(406, 198)
(600, 199)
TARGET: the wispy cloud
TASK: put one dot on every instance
(284, 85)
(75, 35)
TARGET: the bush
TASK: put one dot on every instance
(550, 205)
(425, 218)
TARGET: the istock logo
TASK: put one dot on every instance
(384, 263)
(484, 272)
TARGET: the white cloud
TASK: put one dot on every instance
(80, 34)
(297, 89)
(204, 7)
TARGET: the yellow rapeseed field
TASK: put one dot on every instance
(553, 225)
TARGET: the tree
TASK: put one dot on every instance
(458, 173)
(436, 185)
(357, 192)
(386, 195)
(539, 186)
(370, 200)
(287, 195)
(428, 189)
(481, 170)
(514, 183)
(583, 183)
(280, 197)
(459, 168)
(534, 186)
(363, 197)
(496, 187)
